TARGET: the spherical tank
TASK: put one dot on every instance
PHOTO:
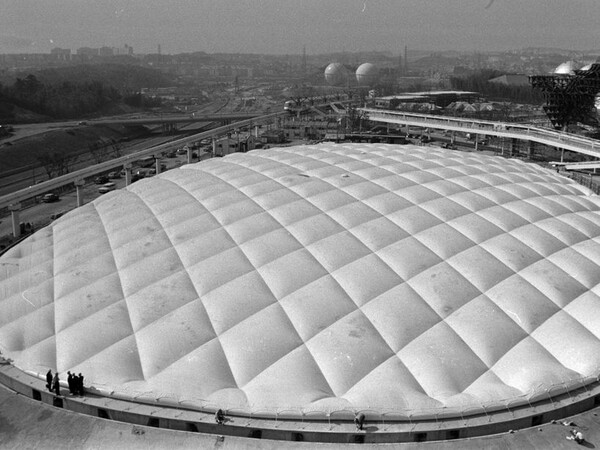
(366, 74)
(335, 74)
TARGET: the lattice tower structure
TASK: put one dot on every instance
(569, 97)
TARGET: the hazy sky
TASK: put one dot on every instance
(285, 26)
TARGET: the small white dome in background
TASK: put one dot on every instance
(566, 68)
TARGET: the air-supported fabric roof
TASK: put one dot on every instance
(318, 278)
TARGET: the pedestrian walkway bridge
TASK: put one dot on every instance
(558, 139)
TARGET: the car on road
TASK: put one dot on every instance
(107, 187)
(57, 215)
(101, 179)
(114, 175)
(51, 197)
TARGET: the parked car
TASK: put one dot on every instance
(56, 215)
(49, 198)
(114, 175)
(101, 179)
(145, 172)
(136, 176)
(107, 187)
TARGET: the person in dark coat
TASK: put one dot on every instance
(70, 383)
(80, 390)
(56, 384)
(220, 417)
(49, 380)
(359, 421)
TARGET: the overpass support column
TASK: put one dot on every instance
(562, 154)
(513, 146)
(188, 149)
(255, 131)
(214, 147)
(530, 149)
(476, 142)
(79, 188)
(157, 165)
(127, 168)
(14, 214)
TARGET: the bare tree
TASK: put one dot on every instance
(56, 163)
(98, 150)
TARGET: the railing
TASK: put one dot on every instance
(547, 397)
(557, 139)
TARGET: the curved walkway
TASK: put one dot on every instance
(23, 396)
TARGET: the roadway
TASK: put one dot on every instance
(561, 140)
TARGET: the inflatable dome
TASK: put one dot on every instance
(318, 278)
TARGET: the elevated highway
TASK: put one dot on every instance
(173, 119)
(12, 200)
(560, 140)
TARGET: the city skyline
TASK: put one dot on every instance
(287, 26)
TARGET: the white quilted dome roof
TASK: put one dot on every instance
(318, 278)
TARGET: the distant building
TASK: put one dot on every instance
(87, 53)
(242, 142)
(105, 51)
(61, 54)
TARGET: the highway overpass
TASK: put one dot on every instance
(174, 119)
(12, 200)
(558, 139)
(516, 132)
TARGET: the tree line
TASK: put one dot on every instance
(78, 91)
(61, 101)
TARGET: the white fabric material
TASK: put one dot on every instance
(317, 277)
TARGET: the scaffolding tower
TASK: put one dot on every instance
(570, 98)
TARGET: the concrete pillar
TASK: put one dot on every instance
(530, 149)
(214, 147)
(562, 154)
(127, 168)
(157, 165)
(513, 146)
(476, 142)
(14, 213)
(255, 131)
(188, 149)
(79, 188)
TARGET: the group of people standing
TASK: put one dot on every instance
(75, 383)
